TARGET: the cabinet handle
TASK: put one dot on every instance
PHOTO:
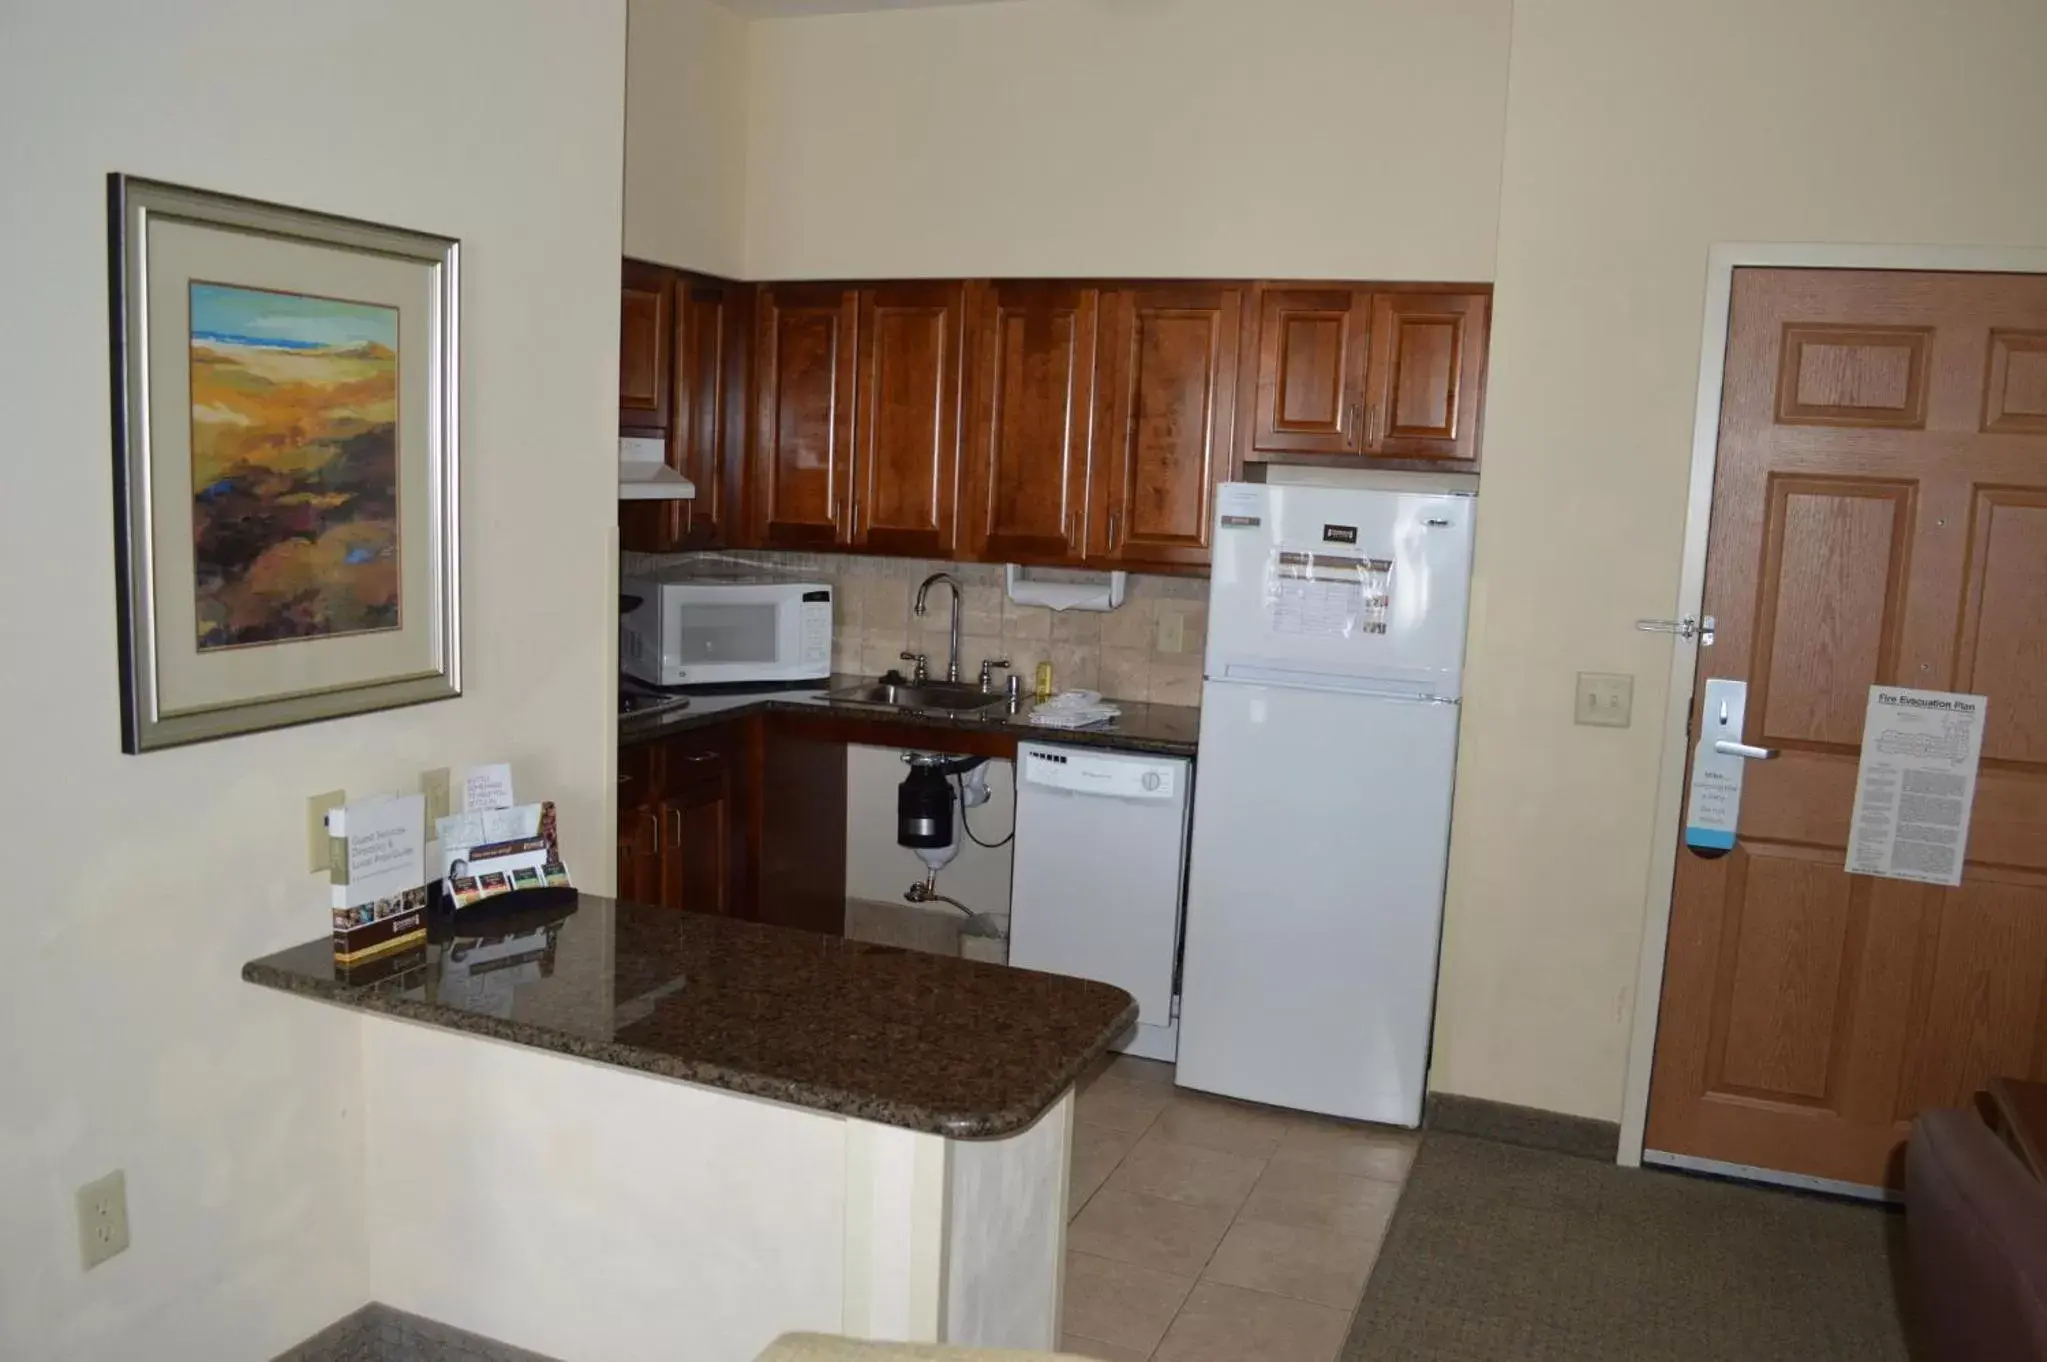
(674, 827)
(655, 819)
(1357, 424)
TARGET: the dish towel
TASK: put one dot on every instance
(1074, 709)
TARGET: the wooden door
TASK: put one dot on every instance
(1168, 379)
(1033, 408)
(802, 454)
(1427, 375)
(906, 469)
(1879, 516)
(646, 319)
(1308, 396)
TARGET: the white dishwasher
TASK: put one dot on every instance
(1100, 875)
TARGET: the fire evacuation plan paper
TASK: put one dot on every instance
(1916, 785)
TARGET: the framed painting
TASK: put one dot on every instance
(284, 397)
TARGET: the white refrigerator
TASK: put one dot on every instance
(1322, 796)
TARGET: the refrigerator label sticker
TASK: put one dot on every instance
(1339, 534)
(1916, 784)
(1239, 507)
(1320, 595)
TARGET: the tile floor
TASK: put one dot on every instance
(1205, 1230)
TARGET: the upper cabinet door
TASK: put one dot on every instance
(906, 472)
(646, 324)
(802, 455)
(1168, 376)
(1310, 389)
(709, 444)
(1033, 404)
(1427, 374)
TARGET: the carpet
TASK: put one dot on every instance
(1498, 1252)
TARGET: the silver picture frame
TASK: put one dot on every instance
(303, 685)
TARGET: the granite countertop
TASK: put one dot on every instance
(931, 1043)
(1166, 730)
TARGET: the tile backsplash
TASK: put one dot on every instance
(1148, 648)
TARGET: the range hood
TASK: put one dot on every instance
(644, 474)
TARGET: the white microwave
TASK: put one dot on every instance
(691, 630)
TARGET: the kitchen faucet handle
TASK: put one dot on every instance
(923, 665)
(988, 673)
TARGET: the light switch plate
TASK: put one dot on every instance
(317, 855)
(1605, 699)
(434, 785)
(102, 1218)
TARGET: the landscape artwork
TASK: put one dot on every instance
(294, 465)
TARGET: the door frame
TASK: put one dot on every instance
(1722, 259)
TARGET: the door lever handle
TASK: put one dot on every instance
(1727, 747)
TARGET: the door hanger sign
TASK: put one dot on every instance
(1717, 763)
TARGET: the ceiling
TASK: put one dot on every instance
(777, 9)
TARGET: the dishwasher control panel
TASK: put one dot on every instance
(1112, 774)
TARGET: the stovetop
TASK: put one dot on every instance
(632, 701)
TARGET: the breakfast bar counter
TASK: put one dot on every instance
(625, 1131)
(929, 1043)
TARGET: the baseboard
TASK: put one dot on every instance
(378, 1333)
(1530, 1127)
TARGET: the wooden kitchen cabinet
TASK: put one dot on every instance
(1427, 375)
(1307, 390)
(646, 324)
(682, 836)
(699, 820)
(639, 827)
(1394, 374)
(801, 457)
(910, 349)
(705, 432)
(1025, 481)
(1168, 378)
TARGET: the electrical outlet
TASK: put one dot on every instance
(103, 1219)
(434, 785)
(317, 855)
(1172, 631)
(1605, 699)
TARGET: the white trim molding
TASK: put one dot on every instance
(1722, 261)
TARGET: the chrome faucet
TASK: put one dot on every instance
(952, 638)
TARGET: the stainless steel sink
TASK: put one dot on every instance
(925, 697)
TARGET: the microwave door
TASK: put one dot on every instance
(720, 634)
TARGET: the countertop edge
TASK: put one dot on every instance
(660, 725)
(619, 1055)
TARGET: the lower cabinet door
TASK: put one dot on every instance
(697, 820)
(639, 854)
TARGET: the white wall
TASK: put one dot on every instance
(593, 1214)
(1168, 137)
(139, 885)
(1637, 136)
(685, 148)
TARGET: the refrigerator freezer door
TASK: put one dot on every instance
(1340, 588)
(1315, 899)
